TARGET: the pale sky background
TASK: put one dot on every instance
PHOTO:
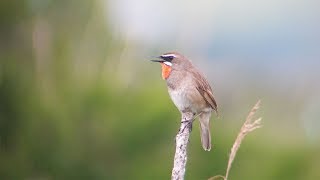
(274, 45)
(217, 27)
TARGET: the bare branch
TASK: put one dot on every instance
(182, 139)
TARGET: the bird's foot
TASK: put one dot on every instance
(186, 121)
(188, 125)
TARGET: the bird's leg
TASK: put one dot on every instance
(190, 121)
(187, 118)
(195, 116)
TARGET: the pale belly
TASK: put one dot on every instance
(189, 100)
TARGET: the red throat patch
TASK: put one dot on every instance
(166, 70)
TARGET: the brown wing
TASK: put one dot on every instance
(205, 90)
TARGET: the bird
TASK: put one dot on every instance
(189, 90)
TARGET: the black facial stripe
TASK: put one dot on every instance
(167, 58)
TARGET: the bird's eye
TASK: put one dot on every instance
(167, 58)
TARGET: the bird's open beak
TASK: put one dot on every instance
(162, 61)
(158, 60)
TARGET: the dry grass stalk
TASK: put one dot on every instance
(248, 126)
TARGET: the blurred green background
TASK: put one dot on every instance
(79, 98)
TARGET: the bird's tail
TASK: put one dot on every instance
(204, 119)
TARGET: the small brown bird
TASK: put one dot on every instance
(189, 91)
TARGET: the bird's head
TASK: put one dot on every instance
(169, 61)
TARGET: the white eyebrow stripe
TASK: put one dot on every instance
(168, 63)
(169, 55)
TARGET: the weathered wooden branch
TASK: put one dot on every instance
(182, 140)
